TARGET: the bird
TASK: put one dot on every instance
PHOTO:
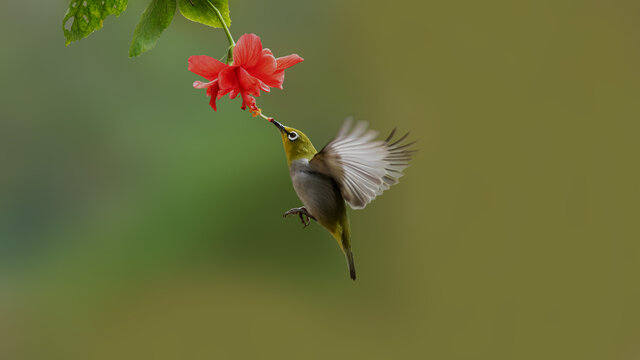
(353, 168)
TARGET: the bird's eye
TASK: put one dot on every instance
(293, 136)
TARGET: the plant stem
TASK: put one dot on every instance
(232, 43)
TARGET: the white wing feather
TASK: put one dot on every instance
(362, 167)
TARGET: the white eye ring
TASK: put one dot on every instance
(293, 136)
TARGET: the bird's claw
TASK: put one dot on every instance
(303, 213)
(305, 220)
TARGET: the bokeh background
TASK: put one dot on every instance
(136, 223)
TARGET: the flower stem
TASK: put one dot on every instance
(232, 43)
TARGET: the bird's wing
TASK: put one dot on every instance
(362, 167)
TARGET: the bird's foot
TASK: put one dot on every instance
(303, 213)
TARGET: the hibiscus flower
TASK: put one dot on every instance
(253, 69)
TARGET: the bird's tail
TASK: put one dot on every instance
(345, 244)
(350, 263)
(342, 234)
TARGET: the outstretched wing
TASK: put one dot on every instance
(362, 167)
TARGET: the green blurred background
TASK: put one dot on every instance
(135, 223)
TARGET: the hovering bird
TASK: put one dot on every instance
(353, 167)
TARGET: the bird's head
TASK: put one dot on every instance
(296, 144)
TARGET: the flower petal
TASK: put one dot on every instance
(203, 85)
(205, 66)
(228, 80)
(212, 91)
(248, 100)
(264, 87)
(223, 92)
(212, 103)
(288, 61)
(248, 51)
(273, 80)
(247, 82)
(265, 65)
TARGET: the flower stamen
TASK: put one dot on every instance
(255, 111)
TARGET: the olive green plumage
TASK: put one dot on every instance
(352, 168)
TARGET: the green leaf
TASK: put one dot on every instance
(85, 16)
(155, 18)
(200, 11)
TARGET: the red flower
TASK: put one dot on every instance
(253, 69)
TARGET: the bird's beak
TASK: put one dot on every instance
(278, 125)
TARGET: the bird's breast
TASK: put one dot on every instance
(318, 193)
